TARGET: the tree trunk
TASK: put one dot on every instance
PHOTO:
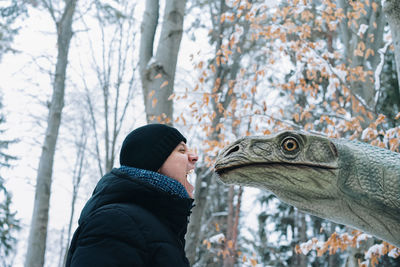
(229, 259)
(392, 12)
(352, 37)
(299, 236)
(78, 171)
(302, 237)
(157, 71)
(333, 259)
(236, 224)
(203, 180)
(38, 230)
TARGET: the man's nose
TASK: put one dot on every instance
(193, 157)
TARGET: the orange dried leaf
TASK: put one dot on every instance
(183, 119)
(341, 111)
(172, 96)
(380, 119)
(164, 84)
(212, 67)
(296, 117)
(223, 16)
(334, 104)
(297, 249)
(253, 262)
(264, 106)
(309, 126)
(374, 6)
(266, 132)
(151, 94)
(369, 52)
(154, 102)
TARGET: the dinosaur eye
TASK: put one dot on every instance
(290, 144)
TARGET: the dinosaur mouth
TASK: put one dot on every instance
(221, 170)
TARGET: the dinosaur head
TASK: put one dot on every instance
(345, 181)
(297, 168)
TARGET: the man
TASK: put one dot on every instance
(138, 213)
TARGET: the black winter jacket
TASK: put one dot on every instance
(128, 222)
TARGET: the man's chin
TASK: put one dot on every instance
(189, 188)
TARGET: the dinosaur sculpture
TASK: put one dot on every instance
(344, 181)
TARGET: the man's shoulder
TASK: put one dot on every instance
(140, 216)
(132, 210)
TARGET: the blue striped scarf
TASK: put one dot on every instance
(156, 179)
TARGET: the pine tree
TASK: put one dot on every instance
(9, 224)
(10, 11)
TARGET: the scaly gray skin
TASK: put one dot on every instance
(344, 181)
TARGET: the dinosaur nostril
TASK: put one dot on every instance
(234, 149)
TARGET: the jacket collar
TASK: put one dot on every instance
(158, 180)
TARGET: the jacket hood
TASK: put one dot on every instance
(118, 187)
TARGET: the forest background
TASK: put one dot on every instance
(77, 76)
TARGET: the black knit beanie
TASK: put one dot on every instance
(149, 146)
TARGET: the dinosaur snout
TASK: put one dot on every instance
(229, 156)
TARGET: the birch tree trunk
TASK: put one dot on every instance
(157, 70)
(391, 9)
(38, 230)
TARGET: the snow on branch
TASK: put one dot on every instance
(343, 241)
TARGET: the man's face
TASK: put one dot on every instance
(179, 163)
